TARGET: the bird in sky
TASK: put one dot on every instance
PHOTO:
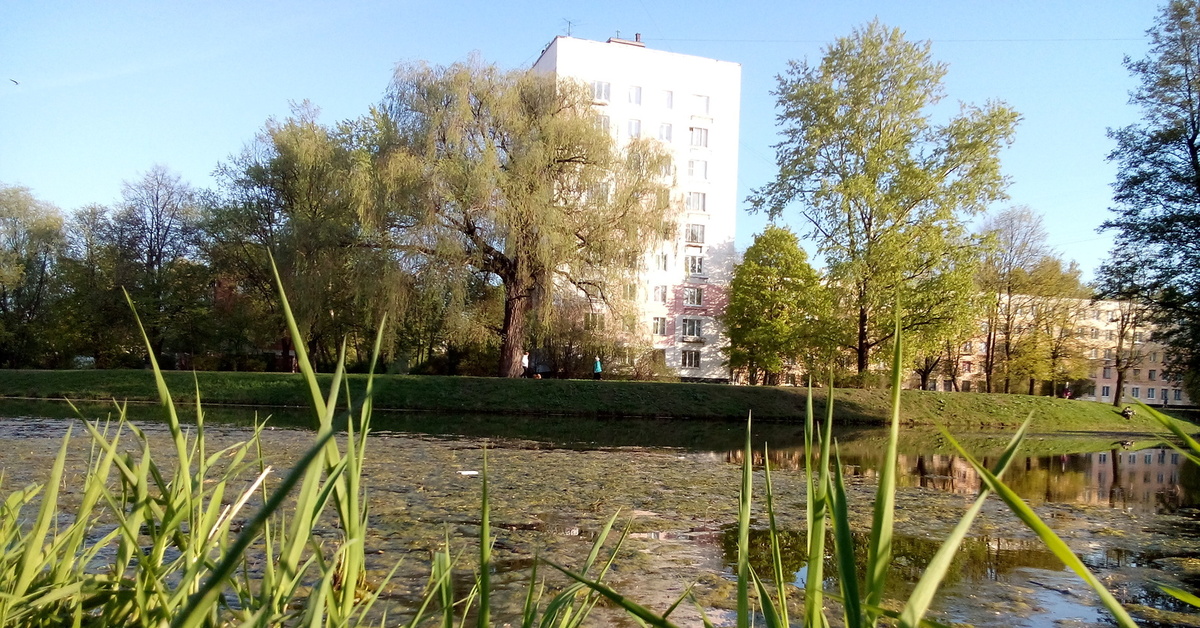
(14, 81)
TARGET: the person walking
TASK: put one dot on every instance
(525, 366)
(597, 369)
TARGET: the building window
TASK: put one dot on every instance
(1137, 373)
(601, 91)
(1136, 392)
(603, 123)
(692, 327)
(1152, 375)
(693, 296)
(696, 201)
(699, 137)
(660, 261)
(664, 131)
(1095, 333)
(660, 326)
(694, 234)
(1176, 394)
(968, 347)
(669, 99)
(1095, 353)
(593, 321)
(695, 264)
(631, 291)
(701, 103)
(635, 128)
(1110, 335)
(660, 294)
(1105, 391)
(1137, 336)
(698, 169)
(635, 95)
(1154, 358)
(689, 359)
(1164, 394)
(967, 367)
(1108, 354)
(1149, 393)
(1108, 372)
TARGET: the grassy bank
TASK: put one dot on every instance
(587, 398)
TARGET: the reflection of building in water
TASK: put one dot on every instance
(1149, 477)
(1143, 480)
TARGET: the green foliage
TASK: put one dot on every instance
(31, 241)
(1033, 304)
(1157, 188)
(885, 190)
(778, 309)
(293, 195)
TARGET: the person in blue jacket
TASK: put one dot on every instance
(596, 369)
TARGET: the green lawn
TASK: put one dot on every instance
(587, 398)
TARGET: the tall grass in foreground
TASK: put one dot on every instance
(862, 602)
(156, 545)
(179, 558)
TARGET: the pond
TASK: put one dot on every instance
(1129, 509)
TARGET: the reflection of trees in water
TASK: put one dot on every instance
(978, 559)
(1148, 480)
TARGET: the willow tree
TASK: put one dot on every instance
(885, 189)
(293, 193)
(510, 175)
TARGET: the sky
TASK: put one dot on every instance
(93, 94)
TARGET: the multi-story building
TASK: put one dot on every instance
(1097, 333)
(692, 105)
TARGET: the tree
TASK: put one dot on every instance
(510, 175)
(294, 194)
(97, 323)
(884, 189)
(1126, 278)
(153, 232)
(1018, 244)
(31, 239)
(1157, 190)
(778, 310)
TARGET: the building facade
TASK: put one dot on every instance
(692, 106)
(1101, 332)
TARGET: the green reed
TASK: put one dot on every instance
(862, 601)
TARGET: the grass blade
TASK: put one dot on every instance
(935, 571)
(1049, 538)
(743, 541)
(879, 549)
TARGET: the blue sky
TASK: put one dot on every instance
(106, 90)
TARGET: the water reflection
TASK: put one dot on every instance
(1152, 480)
(979, 559)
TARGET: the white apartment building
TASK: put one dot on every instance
(692, 105)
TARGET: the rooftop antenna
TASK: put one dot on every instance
(570, 24)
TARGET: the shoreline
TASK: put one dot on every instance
(566, 399)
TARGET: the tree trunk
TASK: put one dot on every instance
(863, 348)
(512, 334)
(924, 379)
(1120, 386)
